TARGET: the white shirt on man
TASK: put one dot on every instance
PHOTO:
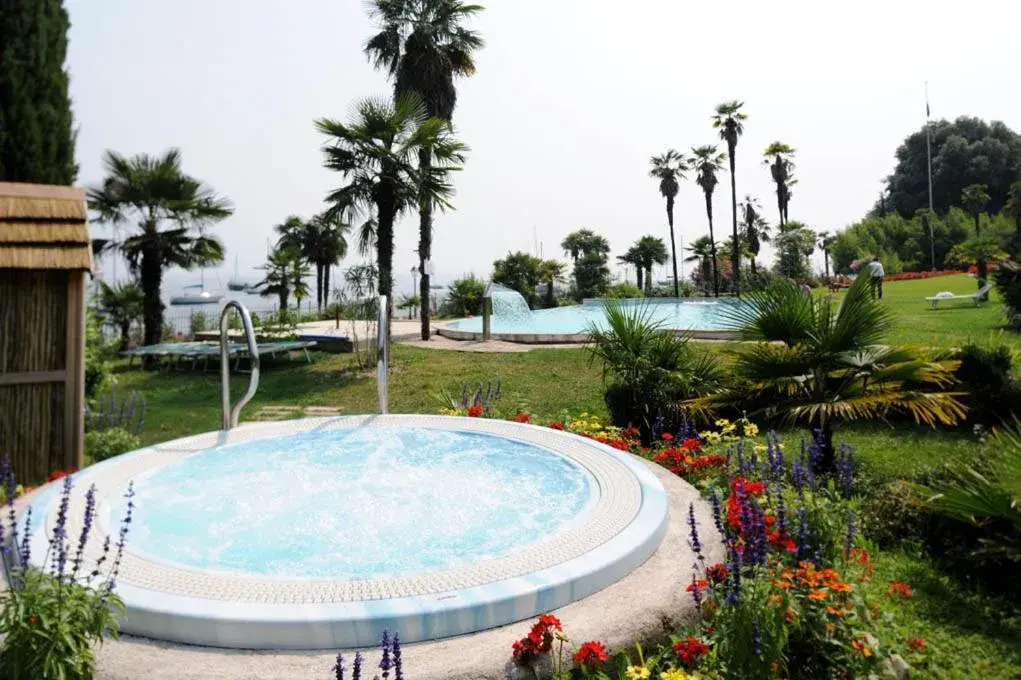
(876, 269)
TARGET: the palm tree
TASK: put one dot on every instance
(825, 241)
(668, 168)
(322, 241)
(551, 272)
(169, 210)
(120, 306)
(701, 250)
(423, 46)
(280, 269)
(650, 251)
(756, 229)
(818, 361)
(728, 120)
(707, 162)
(633, 257)
(1013, 210)
(375, 153)
(974, 199)
(582, 242)
(780, 159)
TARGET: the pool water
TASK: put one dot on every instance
(673, 313)
(357, 503)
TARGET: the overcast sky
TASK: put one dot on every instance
(570, 100)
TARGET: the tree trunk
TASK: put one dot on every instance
(752, 261)
(326, 285)
(712, 245)
(152, 280)
(735, 260)
(385, 209)
(319, 287)
(639, 272)
(648, 280)
(673, 244)
(125, 333)
(982, 270)
(284, 295)
(425, 244)
(826, 262)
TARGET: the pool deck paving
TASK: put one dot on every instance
(644, 605)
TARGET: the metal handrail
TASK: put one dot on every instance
(230, 416)
(381, 356)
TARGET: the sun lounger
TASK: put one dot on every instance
(977, 297)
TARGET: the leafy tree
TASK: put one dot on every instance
(643, 255)
(780, 159)
(701, 250)
(375, 154)
(974, 199)
(169, 209)
(825, 242)
(464, 296)
(668, 168)
(729, 121)
(980, 251)
(756, 229)
(706, 163)
(121, 305)
(819, 361)
(964, 152)
(424, 46)
(1012, 210)
(551, 272)
(36, 124)
(591, 276)
(582, 242)
(519, 271)
(410, 303)
(322, 242)
(284, 271)
(794, 244)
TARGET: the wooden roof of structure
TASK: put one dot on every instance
(44, 227)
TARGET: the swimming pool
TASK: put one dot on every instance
(697, 317)
(320, 533)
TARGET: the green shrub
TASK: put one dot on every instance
(464, 297)
(97, 364)
(103, 444)
(1008, 285)
(985, 373)
(623, 291)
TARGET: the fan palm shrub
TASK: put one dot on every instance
(120, 306)
(648, 369)
(1008, 285)
(817, 361)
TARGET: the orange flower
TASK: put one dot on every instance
(789, 616)
(817, 595)
(917, 644)
(900, 588)
(783, 585)
(841, 587)
(835, 611)
(862, 647)
(830, 628)
(787, 574)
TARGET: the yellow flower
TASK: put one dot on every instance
(760, 448)
(678, 674)
(751, 429)
(722, 422)
(637, 673)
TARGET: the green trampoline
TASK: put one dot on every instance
(175, 354)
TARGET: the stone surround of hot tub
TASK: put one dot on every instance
(184, 604)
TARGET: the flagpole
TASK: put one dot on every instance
(928, 154)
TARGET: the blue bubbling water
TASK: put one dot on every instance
(356, 503)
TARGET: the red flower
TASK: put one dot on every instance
(620, 445)
(550, 621)
(691, 444)
(900, 588)
(717, 573)
(699, 585)
(667, 437)
(917, 644)
(591, 654)
(474, 411)
(522, 418)
(556, 425)
(690, 649)
(57, 474)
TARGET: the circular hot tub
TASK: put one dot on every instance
(321, 533)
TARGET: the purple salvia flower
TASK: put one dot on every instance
(717, 512)
(90, 513)
(753, 461)
(815, 449)
(10, 483)
(726, 461)
(845, 468)
(338, 668)
(26, 544)
(398, 662)
(60, 530)
(122, 539)
(734, 567)
(464, 396)
(809, 472)
(797, 474)
(781, 516)
(356, 670)
(803, 535)
(696, 594)
(740, 459)
(102, 558)
(696, 545)
(757, 639)
(760, 541)
(849, 537)
(657, 426)
(385, 664)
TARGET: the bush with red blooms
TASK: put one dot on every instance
(690, 650)
(60, 474)
(591, 655)
(539, 639)
(910, 276)
(522, 418)
(475, 411)
(556, 425)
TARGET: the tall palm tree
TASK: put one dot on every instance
(169, 209)
(701, 250)
(756, 229)
(668, 168)
(375, 154)
(282, 265)
(582, 242)
(707, 162)
(120, 306)
(819, 361)
(633, 257)
(780, 159)
(651, 251)
(551, 272)
(1013, 210)
(974, 198)
(322, 241)
(825, 241)
(728, 120)
(423, 46)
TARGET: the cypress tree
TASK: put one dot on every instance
(36, 125)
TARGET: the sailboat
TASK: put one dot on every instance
(235, 283)
(203, 297)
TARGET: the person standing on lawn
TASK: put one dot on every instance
(876, 272)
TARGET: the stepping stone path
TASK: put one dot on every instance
(268, 413)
